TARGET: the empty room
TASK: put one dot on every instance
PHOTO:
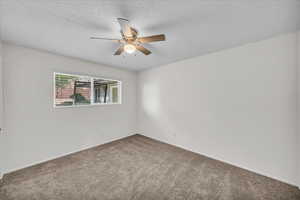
(149, 100)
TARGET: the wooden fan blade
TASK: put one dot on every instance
(153, 38)
(119, 51)
(143, 50)
(125, 28)
(99, 38)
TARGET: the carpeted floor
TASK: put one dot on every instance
(139, 168)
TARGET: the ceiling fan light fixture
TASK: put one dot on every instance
(130, 41)
(129, 48)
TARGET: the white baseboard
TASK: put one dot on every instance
(13, 169)
(227, 162)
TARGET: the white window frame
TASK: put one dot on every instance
(92, 91)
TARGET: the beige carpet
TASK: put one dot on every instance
(140, 168)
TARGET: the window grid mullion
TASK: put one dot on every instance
(92, 91)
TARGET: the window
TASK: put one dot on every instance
(76, 90)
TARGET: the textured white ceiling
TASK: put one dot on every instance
(192, 27)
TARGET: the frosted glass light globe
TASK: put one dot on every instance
(129, 48)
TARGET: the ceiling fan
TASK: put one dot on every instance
(130, 41)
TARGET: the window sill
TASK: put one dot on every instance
(90, 105)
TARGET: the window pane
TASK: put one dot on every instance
(64, 85)
(72, 90)
(115, 95)
(82, 90)
(106, 91)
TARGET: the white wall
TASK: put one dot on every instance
(35, 131)
(1, 88)
(298, 55)
(236, 105)
(1, 111)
